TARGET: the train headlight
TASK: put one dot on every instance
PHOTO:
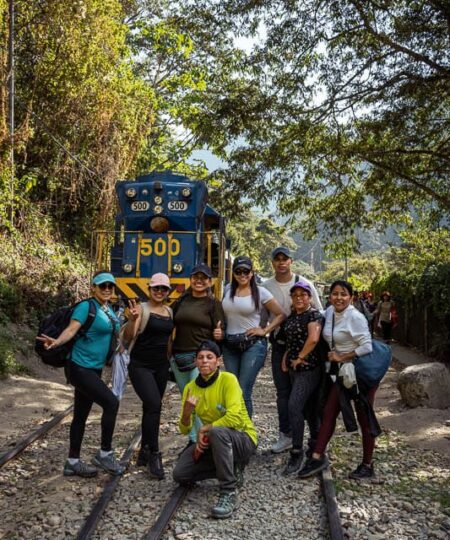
(158, 209)
(159, 224)
(131, 192)
(158, 199)
(128, 268)
(178, 268)
(186, 192)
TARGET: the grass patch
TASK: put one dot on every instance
(8, 363)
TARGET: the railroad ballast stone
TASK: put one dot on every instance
(425, 385)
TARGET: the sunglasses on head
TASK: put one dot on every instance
(104, 286)
(242, 271)
(159, 288)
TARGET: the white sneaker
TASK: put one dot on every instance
(284, 443)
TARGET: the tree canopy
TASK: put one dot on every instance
(339, 110)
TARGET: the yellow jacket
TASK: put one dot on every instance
(221, 404)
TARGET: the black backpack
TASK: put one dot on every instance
(53, 325)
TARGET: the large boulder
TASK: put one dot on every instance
(425, 384)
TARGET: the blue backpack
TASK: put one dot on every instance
(372, 367)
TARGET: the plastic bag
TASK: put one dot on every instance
(120, 372)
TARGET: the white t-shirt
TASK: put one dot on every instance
(282, 295)
(240, 311)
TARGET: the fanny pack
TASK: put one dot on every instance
(240, 342)
(185, 361)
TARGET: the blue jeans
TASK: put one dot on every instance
(246, 366)
(283, 385)
(182, 378)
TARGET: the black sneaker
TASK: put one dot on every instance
(294, 464)
(362, 472)
(155, 466)
(79, 469)
(142, 458)
(312, 467)
(108, 463)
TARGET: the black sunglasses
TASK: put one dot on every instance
(104, 286)
(160, 288)
(241, 271)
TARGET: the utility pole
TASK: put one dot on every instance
(11, 89)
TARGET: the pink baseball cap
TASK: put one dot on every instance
(159, 280)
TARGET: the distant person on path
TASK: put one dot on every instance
(149, 329)
(280, 285)
(84, 371)
(301, 361)
(227, 439)
(198, 316)
(348, 335)
(361, 306)
(384, 312)
(245, 344)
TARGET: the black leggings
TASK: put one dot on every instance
(89, 389)
(303, 405)
(150, 384)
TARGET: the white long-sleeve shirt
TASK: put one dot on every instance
(351, 331)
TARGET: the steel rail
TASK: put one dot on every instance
(34, 435)
(329, 493)
(166, 514)
(99, 507)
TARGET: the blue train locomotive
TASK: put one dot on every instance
(165, 225)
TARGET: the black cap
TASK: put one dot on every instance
(242, 262)
(203, 268)
(281, 249)
(209, 345)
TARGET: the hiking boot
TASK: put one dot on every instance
(313, 467)
(284, 443)
(362, 472)
(226, 503)
(155, 466)
(239, 474)
(294, 464)
(142, 458)
(79, 469)
(108, 463)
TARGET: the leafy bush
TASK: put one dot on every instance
(8, 362)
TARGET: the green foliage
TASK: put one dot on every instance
(37, 273)
(82, 115)
(8, 362)
(422, 278)
(363, 270)
(339, 110)
(256, 237)
(303, 269)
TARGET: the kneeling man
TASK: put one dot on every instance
(227, 439)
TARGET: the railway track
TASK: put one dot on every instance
(134, 506)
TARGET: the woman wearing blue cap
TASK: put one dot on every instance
(84, 370)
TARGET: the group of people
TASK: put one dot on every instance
(193, 336)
